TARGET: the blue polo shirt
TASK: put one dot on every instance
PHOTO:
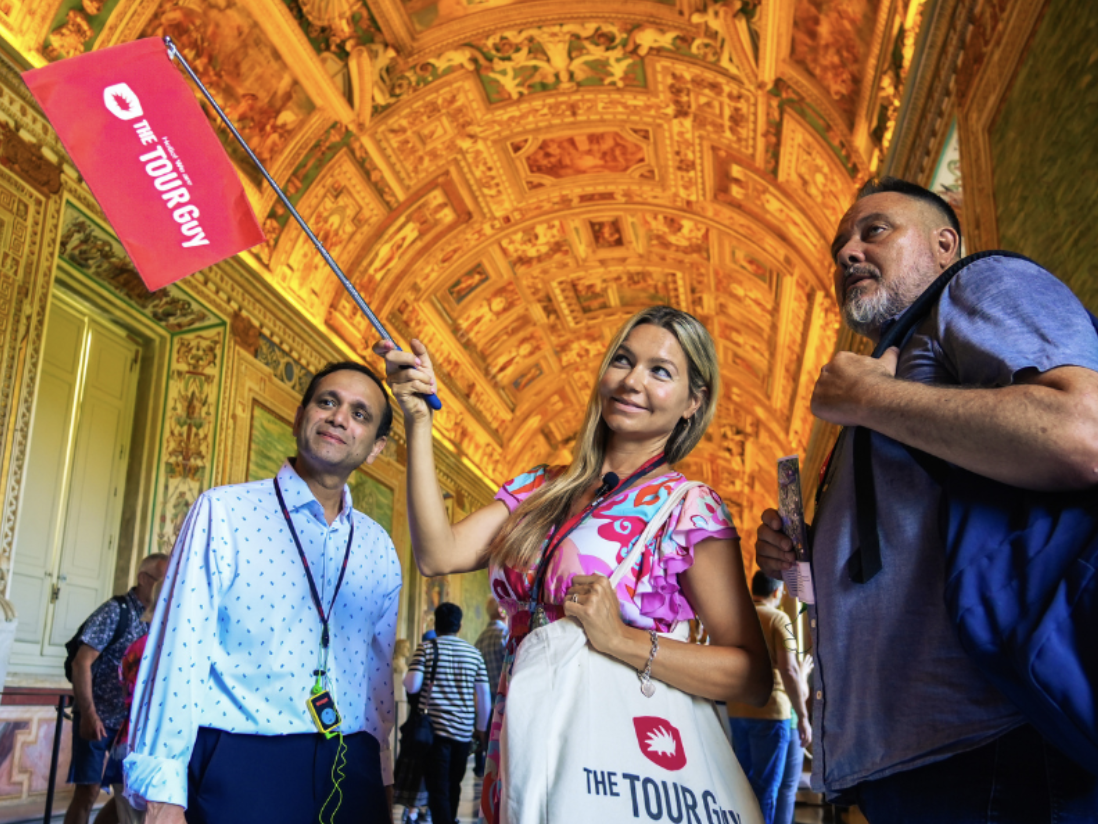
(894, 688)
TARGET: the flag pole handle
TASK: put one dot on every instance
(174, 53)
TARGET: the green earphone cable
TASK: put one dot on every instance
(338, 767)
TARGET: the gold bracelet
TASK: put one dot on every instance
(648, 689)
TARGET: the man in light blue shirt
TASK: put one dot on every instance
(279, 596)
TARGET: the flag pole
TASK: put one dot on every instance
(174, 53)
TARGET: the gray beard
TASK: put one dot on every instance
(865, 313)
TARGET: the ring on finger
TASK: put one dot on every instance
(575, 598)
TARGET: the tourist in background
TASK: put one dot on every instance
(491, 643)
(409, 789)
(457, 706)
(101, 702)
(762, 736)
(785, 811)
(127, 812)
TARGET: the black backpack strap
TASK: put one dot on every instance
(123, 624)
(72, 646)
(866, 560)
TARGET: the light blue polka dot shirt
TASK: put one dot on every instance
(235, 638)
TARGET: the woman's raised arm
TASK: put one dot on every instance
(439, 547)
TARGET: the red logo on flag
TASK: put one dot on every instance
(150, 158)
(660, 742)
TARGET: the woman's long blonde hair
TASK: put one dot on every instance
(519, 542)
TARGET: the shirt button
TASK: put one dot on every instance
(819, 695)
(813, 623)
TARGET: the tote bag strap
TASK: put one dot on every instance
(651, 528)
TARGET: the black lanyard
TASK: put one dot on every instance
(558, 536)
(324, 619)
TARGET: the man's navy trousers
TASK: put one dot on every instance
(234, 777)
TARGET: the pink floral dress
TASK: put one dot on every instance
(650, 594)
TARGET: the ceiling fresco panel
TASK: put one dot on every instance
(736, 184)
(424, 137)
(540, 244)
(425, 14)
(481, 321)
(436, 210)
(440, 129)
(76, 25)
(433, 14)
(345, 210)
(832, 41)
(468, 383)
(591, 153)
(335, 27)
(463, 288)
(812, 170)
(244, 72)
(674, 233)
(822, 328)
(790, 337)
(722, 110)
(564, 57)
(548, 57)
(608, 235)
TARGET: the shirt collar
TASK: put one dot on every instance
(298, 495)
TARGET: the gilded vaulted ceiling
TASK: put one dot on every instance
(510, 179)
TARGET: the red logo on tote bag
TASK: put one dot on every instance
(660, 742)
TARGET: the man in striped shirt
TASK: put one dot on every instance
(457, 703)
(491, 643)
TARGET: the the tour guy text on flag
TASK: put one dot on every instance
(135, 131)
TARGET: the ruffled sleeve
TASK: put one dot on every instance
(521, 487)
(701, 516)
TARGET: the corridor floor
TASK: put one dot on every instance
(468, 809)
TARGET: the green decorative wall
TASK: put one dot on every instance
(1045, 151)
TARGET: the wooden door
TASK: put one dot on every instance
(67, 535)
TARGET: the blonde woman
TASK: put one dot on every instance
(553, 534)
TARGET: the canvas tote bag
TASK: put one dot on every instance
(580, 743)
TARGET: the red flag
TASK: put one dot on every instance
(132, 126)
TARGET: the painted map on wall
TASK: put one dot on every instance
(272, 441)
(374, 498)
(474, 594)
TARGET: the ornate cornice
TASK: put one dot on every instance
(925, 115)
